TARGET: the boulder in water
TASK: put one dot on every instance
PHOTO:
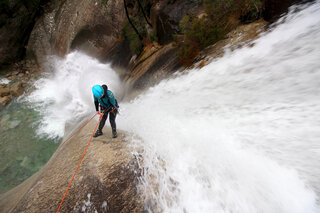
(17, 89)
(13, 124)
(4, 101)
(4, 91)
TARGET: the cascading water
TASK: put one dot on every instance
(64, 95)
(239, 135)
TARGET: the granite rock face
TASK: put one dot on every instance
(76, 24)
(106, 181)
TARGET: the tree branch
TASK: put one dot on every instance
(144, 15)
(135, 29)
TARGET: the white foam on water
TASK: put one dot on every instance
(64, 94)
(241, 134)
(4, 81)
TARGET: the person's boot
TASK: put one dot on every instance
(98, 133)
(114, 133)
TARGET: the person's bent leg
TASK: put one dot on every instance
(101, 125)
(103, 121)
(112, 120)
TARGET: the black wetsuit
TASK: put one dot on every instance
(112, 119)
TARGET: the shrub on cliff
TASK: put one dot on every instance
(135, 29)
(136, 45)
(220, 17)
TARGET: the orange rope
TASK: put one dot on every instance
(79, 128)
(79, 162)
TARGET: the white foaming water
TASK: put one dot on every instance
(240, 135)
(4, 81)
(64, 95)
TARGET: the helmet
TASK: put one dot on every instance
(97, 91)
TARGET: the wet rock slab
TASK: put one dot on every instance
(107, 180)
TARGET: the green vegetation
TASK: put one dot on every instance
(3, 4)
(140, 35)
(220, 17)
(253, 11)
(104, 3)
(136, 45)
(153, 36)
(197, 31)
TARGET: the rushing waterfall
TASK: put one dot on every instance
(242, 134)
(64, 94)
(239, 135)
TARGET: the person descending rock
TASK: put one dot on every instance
(108, 105)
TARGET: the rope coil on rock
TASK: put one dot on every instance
(74, 174)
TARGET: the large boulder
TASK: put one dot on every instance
(4, 101)
(17, 89)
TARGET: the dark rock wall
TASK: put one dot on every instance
(118, 55)
(273, 9)
(76, 24)
(17, 19)
(166, 16)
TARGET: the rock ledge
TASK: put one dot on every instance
(107, 180)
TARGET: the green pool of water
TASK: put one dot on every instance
(22, 152)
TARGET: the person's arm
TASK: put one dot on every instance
(96, 103)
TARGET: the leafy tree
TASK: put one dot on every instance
(221, 16)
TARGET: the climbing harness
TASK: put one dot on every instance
(74, 174)
(112, 111)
